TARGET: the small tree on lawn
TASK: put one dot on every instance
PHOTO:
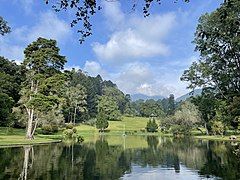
(152, 126)
(101, 122)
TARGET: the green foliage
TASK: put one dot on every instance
(217, 127)
(147, 108)
(207, 105)
(171, 105)
(6, 103)
(71, 134)
(75, 102)
(166, 123)
(118, 96)
(187, 117)
(49, 129)
(102, 122)
(151, 125)
(179, 130)
(11, 77)
(151, 107)
(4, 28)
(69, 126)
(109, 108)
(233, 112)
(217, 40)
(40, 91)
(183, 121)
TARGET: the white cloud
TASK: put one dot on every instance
(133, 43)
(70, 67)
(132, 76)
(48, 25)
(135, 37)
(93, 68)
(127, 45)
(115, 17)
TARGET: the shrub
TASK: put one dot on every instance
(74, 130)
(69, 126)
(70, 134)
(152, 126)
(101, 122)
(179, 130)
(48, 129)
(90, 122)
(217, 127)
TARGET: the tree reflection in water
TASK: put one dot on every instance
(27, 150)
(105, 159)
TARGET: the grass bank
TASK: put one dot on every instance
(128, 125)
(16, 137)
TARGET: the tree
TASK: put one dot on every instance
(43, 80)
(116, 95)
(171, 105)
(76, 97)
(11, 77)
(6, 104)
(151, 107)
(102, 122)
(217, 40)
(152, 125)
(84, 10)
(207, 105)
(4, 28)
(186, 118)
(109, 108)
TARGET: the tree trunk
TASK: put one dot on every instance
(30, 124)
(205, 124)
(35, 127)
(29, 133)
(74, 116)
(24, 173)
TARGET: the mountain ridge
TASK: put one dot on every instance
(144, 97)
(139, 96)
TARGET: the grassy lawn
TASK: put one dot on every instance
(17, 137)
(131, 125)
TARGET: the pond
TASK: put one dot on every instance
(117, 157)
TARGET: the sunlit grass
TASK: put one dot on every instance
(12, 136)
(128, 125)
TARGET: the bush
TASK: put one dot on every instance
(217, 127)
(179, 130)
(152, 126)
(70, 134)
(101, 122)
(74, 130)
(90, 122)
(48, 129)
(69, 126)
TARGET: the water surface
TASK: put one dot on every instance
(129, 157)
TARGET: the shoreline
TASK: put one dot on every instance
(47, 139)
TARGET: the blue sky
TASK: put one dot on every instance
(141, 55)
